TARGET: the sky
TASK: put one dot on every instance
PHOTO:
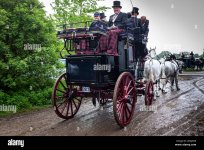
(175, 25)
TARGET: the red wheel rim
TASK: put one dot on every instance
(65, 102)
(149, 93)
(124, 99)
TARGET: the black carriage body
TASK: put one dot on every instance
(92, 70)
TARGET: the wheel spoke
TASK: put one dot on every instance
(71, 108)
(129, 85)
(75, 104)
(130, 91)
(119, 107)
(78, 99)
(63, 85)
(128, 110)
(63, 108)
(67, 110)
(60, 91)
(126, 113)
(65, 77)
(61, 103)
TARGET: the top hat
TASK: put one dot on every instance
(96, 14)
(135, 10)
(102, 15)
(116, 4)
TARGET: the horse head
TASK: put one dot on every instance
(152, 52)
(180, 65)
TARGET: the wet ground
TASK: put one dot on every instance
(175, 113)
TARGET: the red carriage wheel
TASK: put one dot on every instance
(65, 101)
(149, 93)
(124, 99)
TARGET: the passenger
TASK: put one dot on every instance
(103, 18)
(116, 25)
(145, 26)
(128, 15)
(118, 19)
(98, 24)
(133, 21)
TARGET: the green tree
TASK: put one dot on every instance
(25, 72)
(164, 54)
(71, 11)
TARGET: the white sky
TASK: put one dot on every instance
(172, 26)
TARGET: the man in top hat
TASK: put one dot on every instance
(98, 24)
(118, 19)
(103, 18)
(133, 21)
(116, 25)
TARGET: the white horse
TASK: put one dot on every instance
(152, 70)
(170, 69)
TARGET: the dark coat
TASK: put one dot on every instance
(133, 22)
(120, 20)
(98, 25)
(145, 27)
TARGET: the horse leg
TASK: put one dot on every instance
(157, 87)
(172, 82)
(159, 84)
(176, 81)
(164, 86)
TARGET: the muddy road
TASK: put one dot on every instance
(175, 113)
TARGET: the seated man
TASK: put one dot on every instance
(116, 25)
(98, 24)
(103, 18)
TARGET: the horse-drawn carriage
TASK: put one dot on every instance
(97, 74)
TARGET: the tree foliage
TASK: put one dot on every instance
(69, 11)
(24, 71)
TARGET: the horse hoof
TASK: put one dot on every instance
(178, 89)
(164, 92)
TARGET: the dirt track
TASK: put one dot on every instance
(177, 113)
